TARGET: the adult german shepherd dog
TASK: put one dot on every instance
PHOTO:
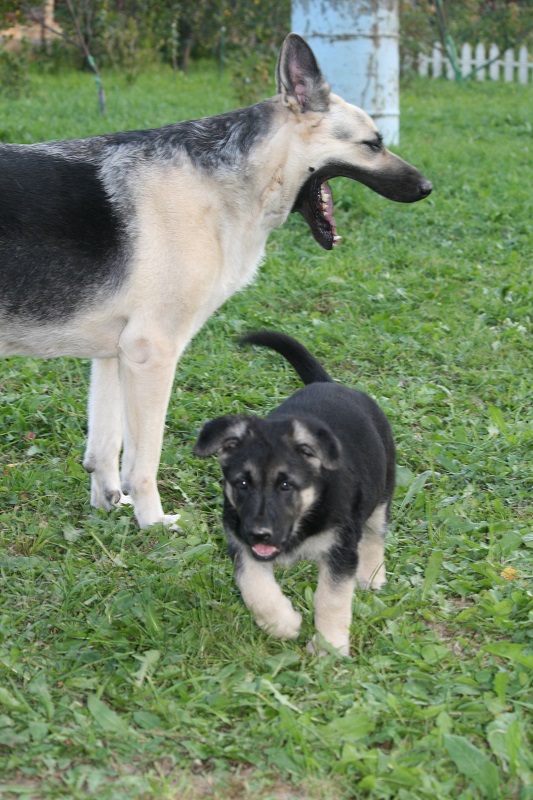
(119, 247)
(314, 480)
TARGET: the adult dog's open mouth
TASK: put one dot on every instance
(396, 180)
(315, 204)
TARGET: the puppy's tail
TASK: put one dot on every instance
(306, 365)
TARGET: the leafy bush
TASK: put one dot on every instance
(504, 22)
(13, 71)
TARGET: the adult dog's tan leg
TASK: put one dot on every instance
(105, 434)
(147, 364)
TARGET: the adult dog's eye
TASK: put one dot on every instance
(242, 484)
(285, 486)
(375, 145)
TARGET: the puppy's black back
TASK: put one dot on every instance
(344, 409)
(352, 415)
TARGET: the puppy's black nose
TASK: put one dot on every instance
(261, 534)
(426, 187)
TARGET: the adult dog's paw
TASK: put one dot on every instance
(105, 497)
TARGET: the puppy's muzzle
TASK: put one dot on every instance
(260, 540)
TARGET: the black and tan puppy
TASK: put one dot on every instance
(314, 480)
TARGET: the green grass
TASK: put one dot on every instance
(129, 666)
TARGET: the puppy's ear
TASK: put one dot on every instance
(317, 444)
(299, 79)
(221, 435)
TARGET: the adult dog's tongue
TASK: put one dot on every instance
(265, 550)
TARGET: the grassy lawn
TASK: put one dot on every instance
(129, 667)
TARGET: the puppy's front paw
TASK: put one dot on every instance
(285, 624)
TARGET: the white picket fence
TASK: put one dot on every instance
(479, 62)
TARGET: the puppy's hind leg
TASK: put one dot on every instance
(105, 434)
(333, 610)
(371, 551)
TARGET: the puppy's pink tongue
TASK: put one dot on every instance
(264, 549)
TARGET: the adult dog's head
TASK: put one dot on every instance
(340, 140)
(276, 475)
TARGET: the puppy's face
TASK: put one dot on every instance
(270, 489)
(273, 476)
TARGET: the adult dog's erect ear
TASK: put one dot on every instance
(221, 435)
(299, 79)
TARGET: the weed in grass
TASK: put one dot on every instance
(129, 666)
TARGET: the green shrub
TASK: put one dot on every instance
(13, 71)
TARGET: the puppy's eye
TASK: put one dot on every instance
(285, 486)
(241, 484)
